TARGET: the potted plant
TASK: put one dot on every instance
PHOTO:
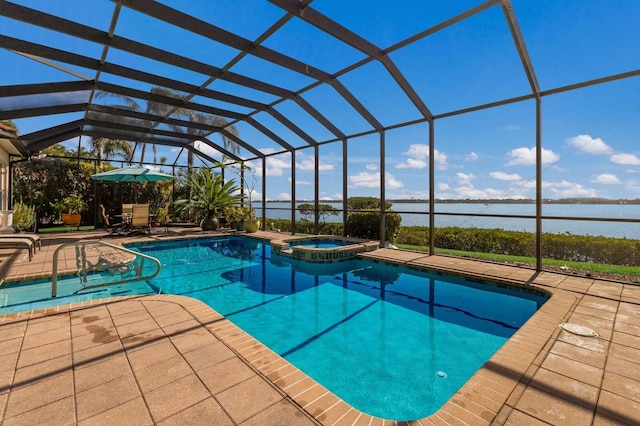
(242, 214)
(233, 216)
(209, 195)
(69, 209)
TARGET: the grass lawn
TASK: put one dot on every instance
(586, 266)
(64, 228)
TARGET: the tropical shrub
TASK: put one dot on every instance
(209, 195)
(24, 216)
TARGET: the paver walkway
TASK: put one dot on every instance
(173, 360)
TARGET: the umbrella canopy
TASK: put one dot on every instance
(131, 174)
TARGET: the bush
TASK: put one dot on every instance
(567, 247)
(23, 216)
(366, 224)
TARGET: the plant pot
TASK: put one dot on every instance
(240, 225)
(209, 224)
(71, 219)
(251, 226)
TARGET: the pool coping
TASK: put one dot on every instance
(492, 395)
(282, 247)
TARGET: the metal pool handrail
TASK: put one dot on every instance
(106, 264)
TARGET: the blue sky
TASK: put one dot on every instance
(590, 136)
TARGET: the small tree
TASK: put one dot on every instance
(324, 211)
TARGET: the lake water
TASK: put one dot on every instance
(414, 214)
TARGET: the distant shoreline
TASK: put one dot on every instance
(491, 201)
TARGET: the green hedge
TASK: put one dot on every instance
(577, 248)
(566, 247)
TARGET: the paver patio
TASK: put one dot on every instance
(173, 360)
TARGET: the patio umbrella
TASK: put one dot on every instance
(131, 174)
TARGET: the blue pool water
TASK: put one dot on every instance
(321, 243)
(393, 342)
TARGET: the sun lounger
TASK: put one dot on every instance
(17, 242)
(34, 238)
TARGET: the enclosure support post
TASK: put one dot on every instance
(316, 177)
(432, 192)
(344, 187)
(293, 192)
(264, 194)
(383, 198)
(538, 184)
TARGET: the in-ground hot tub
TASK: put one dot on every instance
(322, 248)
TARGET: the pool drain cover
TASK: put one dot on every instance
(578, 329)
(441, 374)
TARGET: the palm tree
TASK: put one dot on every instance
(212, 120)
(105, 148)
(161, 109)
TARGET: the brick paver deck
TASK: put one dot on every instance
(173, 360)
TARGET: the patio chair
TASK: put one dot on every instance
(111, 228)
(140, 218)
(127, 209)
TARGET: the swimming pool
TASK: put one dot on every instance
(393, 342)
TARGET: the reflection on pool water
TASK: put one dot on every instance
(393, 342)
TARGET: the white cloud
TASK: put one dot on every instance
(505, 176)
(279, 162)
(565, 189)
(443, 186)
(472, 156)
(419, 154)
(407, 194)
(372, 180)
(274, 171)
(464, 179)
(468, 191)
(207, 149)
(625, 159)
(586, 143)
(300, 182)
(607, 179)
(309, 164)
(527, 156)
(412, 163)
(512, 127)
(371, 167)
(283, 196)
(268, 151)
